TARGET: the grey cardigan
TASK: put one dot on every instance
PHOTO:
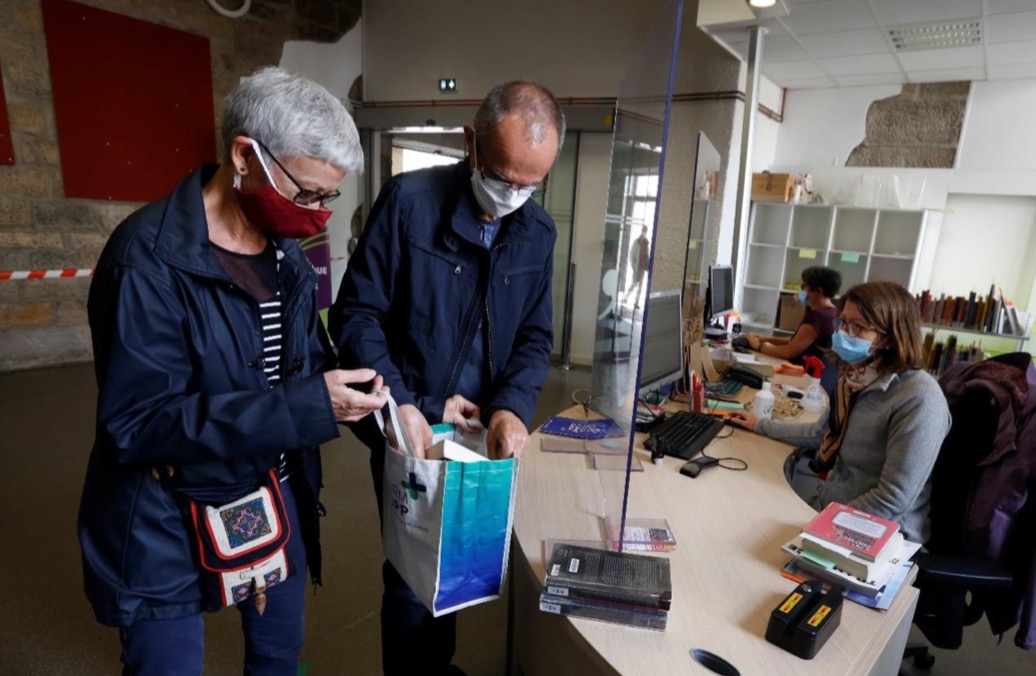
(884, 466)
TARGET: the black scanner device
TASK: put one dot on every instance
(693, 468)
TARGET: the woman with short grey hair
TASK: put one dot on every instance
(216, 386)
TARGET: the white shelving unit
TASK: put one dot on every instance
(863, 244)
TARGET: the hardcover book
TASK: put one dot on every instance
(825, 553)
(864, 534)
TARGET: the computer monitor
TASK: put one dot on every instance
(662, 362)
(721, 289)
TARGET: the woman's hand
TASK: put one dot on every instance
(744, 419)
(348, 404)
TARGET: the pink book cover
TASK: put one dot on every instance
(863, 533)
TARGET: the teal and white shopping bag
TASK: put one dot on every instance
(447, 518)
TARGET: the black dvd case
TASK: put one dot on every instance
(622, 578)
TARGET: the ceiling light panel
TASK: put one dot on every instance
(940, 35)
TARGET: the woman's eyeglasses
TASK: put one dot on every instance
(853, 328)
(304, 197)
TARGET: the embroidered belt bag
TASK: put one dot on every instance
(242, 545)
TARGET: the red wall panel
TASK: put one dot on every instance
(6, 149)
(132, 102)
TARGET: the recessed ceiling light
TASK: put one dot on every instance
(942, 35)
(762, 3)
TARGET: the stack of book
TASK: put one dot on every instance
(989, 314)
(937, 356)
(863, 552)
(618, 587)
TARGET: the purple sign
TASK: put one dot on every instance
(318, 251)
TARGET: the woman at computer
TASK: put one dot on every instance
(813, 336)
(878, 442)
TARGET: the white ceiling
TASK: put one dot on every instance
(845, 43)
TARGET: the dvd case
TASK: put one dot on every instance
(630, 616)
(618, 577)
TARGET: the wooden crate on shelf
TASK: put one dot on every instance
(767, 187)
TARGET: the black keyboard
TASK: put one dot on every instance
(684, 434)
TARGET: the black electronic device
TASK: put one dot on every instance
(743, 374)
(740, 343)
(804, 621)
(684, 434)
(719, 299)
(693, 468)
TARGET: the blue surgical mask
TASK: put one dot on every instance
(849, 349)
(802, 297)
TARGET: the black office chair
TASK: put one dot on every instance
(955, 587)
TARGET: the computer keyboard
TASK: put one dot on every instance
(684, 434)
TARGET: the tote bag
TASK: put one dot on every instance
(447, 518)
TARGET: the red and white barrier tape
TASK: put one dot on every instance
(45, 274)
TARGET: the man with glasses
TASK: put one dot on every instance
(448, 297)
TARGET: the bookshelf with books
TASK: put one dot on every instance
(864, 244)
(988, 316)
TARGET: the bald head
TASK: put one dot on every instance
(529, 102)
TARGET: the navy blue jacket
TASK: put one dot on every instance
(177, 352)
(421, 277)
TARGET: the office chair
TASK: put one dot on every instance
(956, 588)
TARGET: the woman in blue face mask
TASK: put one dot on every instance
(876, 445)
(813, 337)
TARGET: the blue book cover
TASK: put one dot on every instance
(581, 429)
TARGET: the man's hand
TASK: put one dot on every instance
(417, 429)
(350, 405)
(458, 411)
(507, 435)
(754, 342)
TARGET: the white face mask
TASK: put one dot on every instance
(496, 197)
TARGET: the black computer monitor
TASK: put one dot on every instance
(721, 289)
(719, 299)
(663, 342)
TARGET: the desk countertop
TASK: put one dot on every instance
(729, 528)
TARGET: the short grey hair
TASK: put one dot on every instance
(292, 117)
(530, 101)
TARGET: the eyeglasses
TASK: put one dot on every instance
(499, 183)
(304, 197)
(854, 329)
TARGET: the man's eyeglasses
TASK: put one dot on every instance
(304, 197)
(498, 183)
(854, 329)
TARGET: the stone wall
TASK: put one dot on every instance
(43, 322)
(920, 127)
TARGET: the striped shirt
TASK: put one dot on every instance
(257, 275)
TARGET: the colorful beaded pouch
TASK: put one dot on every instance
(241, 545)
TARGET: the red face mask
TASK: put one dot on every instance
(275, 214)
